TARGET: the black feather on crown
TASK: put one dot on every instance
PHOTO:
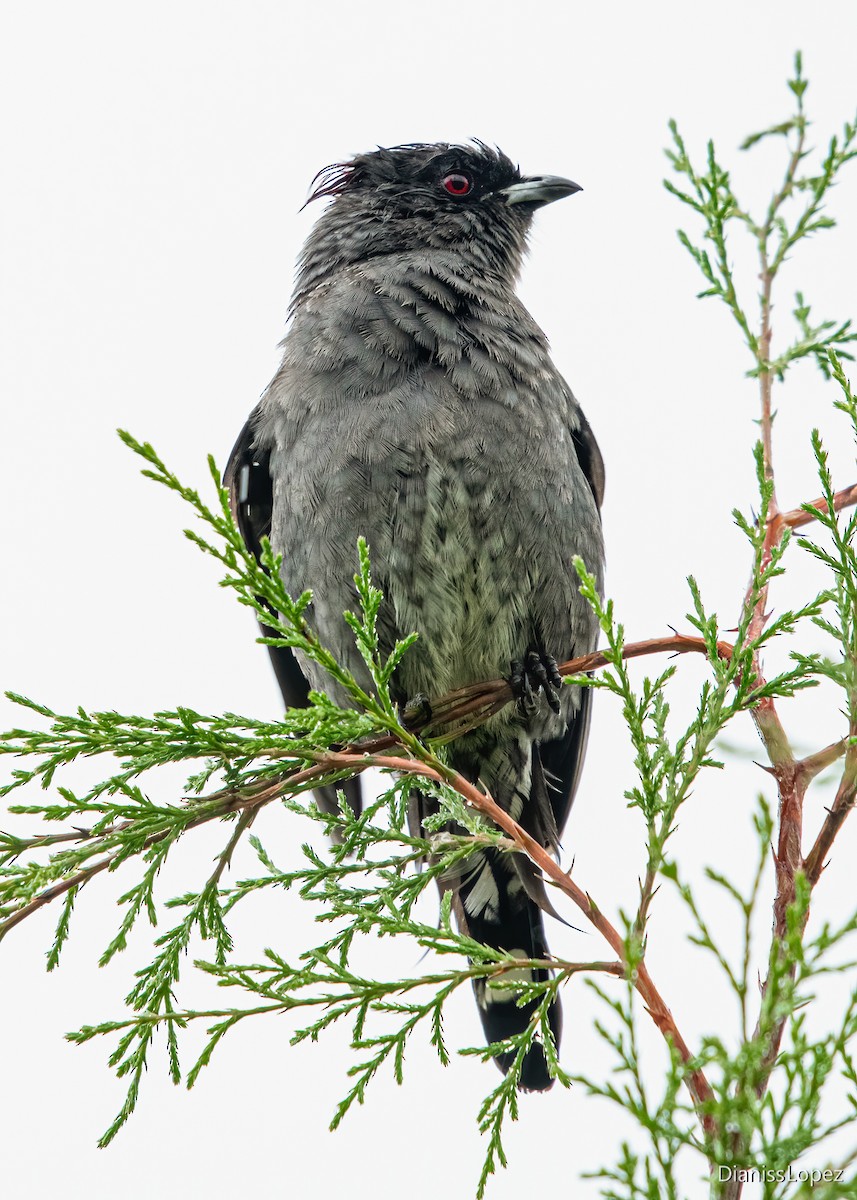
(386, 164)
(332, 180)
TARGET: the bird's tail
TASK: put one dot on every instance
(493, 908)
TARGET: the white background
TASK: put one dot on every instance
(154, 158)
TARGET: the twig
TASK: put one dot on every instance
(697, 1083)
(232, 803)
(602, 968)
(815, 861)
(59, 889)
(790, 784)
(482, 698)
(224, 859)
(40, 840)
(814, 764)
(223, 803)
(479, 701)
(796, 517)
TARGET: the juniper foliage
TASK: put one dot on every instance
(755, 1091)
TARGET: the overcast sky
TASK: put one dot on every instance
(155, 158)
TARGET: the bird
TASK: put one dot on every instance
(417, 406)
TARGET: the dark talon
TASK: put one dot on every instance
(416, 711)
(552, 691)
(536, 668)
(553, 671)
(519, 682)
(538, 672)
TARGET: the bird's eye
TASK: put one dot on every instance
(457, 185)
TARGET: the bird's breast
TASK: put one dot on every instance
(461, 475)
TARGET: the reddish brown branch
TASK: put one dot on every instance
(791, 787)
(596, 968)
(797, 517)
(815, 763)
(793, 778)
(698, 1085)
(477, 702)
(815, 861)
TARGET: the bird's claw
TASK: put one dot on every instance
(536, 673)
(417, 711)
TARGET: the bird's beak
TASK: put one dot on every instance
(540, 189)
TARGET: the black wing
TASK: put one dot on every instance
(561, 760)
(251, 497)
(589, 457)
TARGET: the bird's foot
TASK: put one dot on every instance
(536, 673)
(416, 712)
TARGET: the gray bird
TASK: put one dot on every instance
(417, 406)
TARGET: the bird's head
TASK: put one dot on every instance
(471, 200)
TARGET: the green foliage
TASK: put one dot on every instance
(837, 554)
(794, 213)
(770, 1074)
(366, 885)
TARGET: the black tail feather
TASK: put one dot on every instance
(513, 924)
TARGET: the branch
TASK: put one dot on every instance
(814, 764)
(231, 803)
(793, 776)
(224, 859)
(474, 704)
(65, 885)
(697, 1084)
(358, 759)
(479, 701)
(797, 517)
(791, 785)
(815, 861)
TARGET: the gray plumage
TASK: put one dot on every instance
(417, 406)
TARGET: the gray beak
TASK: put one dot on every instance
(539, 189)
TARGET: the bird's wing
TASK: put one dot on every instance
(561, 760)
(248, 479)
(251, 498)
(589, 457)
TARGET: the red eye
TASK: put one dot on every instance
(457, 185)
